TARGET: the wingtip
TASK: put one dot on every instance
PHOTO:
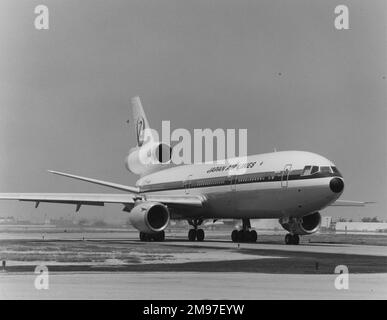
(135, 99)
(55, 172)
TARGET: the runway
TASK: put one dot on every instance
(119, 266)
(192, 285)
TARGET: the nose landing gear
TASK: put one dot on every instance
(246, 234)
(195, 234)
(292, 239)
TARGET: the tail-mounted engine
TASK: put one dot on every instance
(149, 217)
(302, 225)
(148, 157)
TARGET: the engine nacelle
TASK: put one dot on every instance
(302, 225)
(149, 217)
(150, 156)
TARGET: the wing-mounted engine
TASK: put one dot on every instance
(149, 217)
(302, 225)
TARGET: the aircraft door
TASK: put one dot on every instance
(233, 183)
(230, 200)
(187, 184)
(231, 180)
(285, 175)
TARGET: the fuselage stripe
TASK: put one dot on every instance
(255, 177)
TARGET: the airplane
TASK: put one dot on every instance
(291, 186)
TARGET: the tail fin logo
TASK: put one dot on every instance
(140, 128)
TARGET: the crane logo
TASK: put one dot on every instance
(140, 128)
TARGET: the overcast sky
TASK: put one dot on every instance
(277, 68)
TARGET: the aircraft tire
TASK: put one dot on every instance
(296, 239)
(142, 236)
(241, 236)
(253, 236)
(192, 235)
(288, 238)
(159, 236)
(234, 236)
(200, 235)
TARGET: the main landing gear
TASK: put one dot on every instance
(292, 238)
(159, 236)
(195, 233)
(246, 234)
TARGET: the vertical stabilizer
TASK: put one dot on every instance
(149, 154)
(141, 124)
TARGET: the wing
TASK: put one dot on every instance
(99, 199)
(79, 199)
(171, 200)
(349, 203)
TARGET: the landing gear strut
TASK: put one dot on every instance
(159, 236)
(292, 238)
(195, 233)
(246, 234)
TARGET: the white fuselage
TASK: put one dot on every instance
(271, 185)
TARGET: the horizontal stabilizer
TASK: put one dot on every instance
(350, 203)
(99, 182)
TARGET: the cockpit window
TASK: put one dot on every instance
(325, 169)
(314, 169)
(307, 170)
(336, 171)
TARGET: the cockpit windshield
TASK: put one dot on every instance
(309, 170)
(314, 169)
(336, 171)
(326, 169)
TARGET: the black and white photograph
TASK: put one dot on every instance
(205, 153)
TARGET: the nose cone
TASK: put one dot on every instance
(336, 185)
